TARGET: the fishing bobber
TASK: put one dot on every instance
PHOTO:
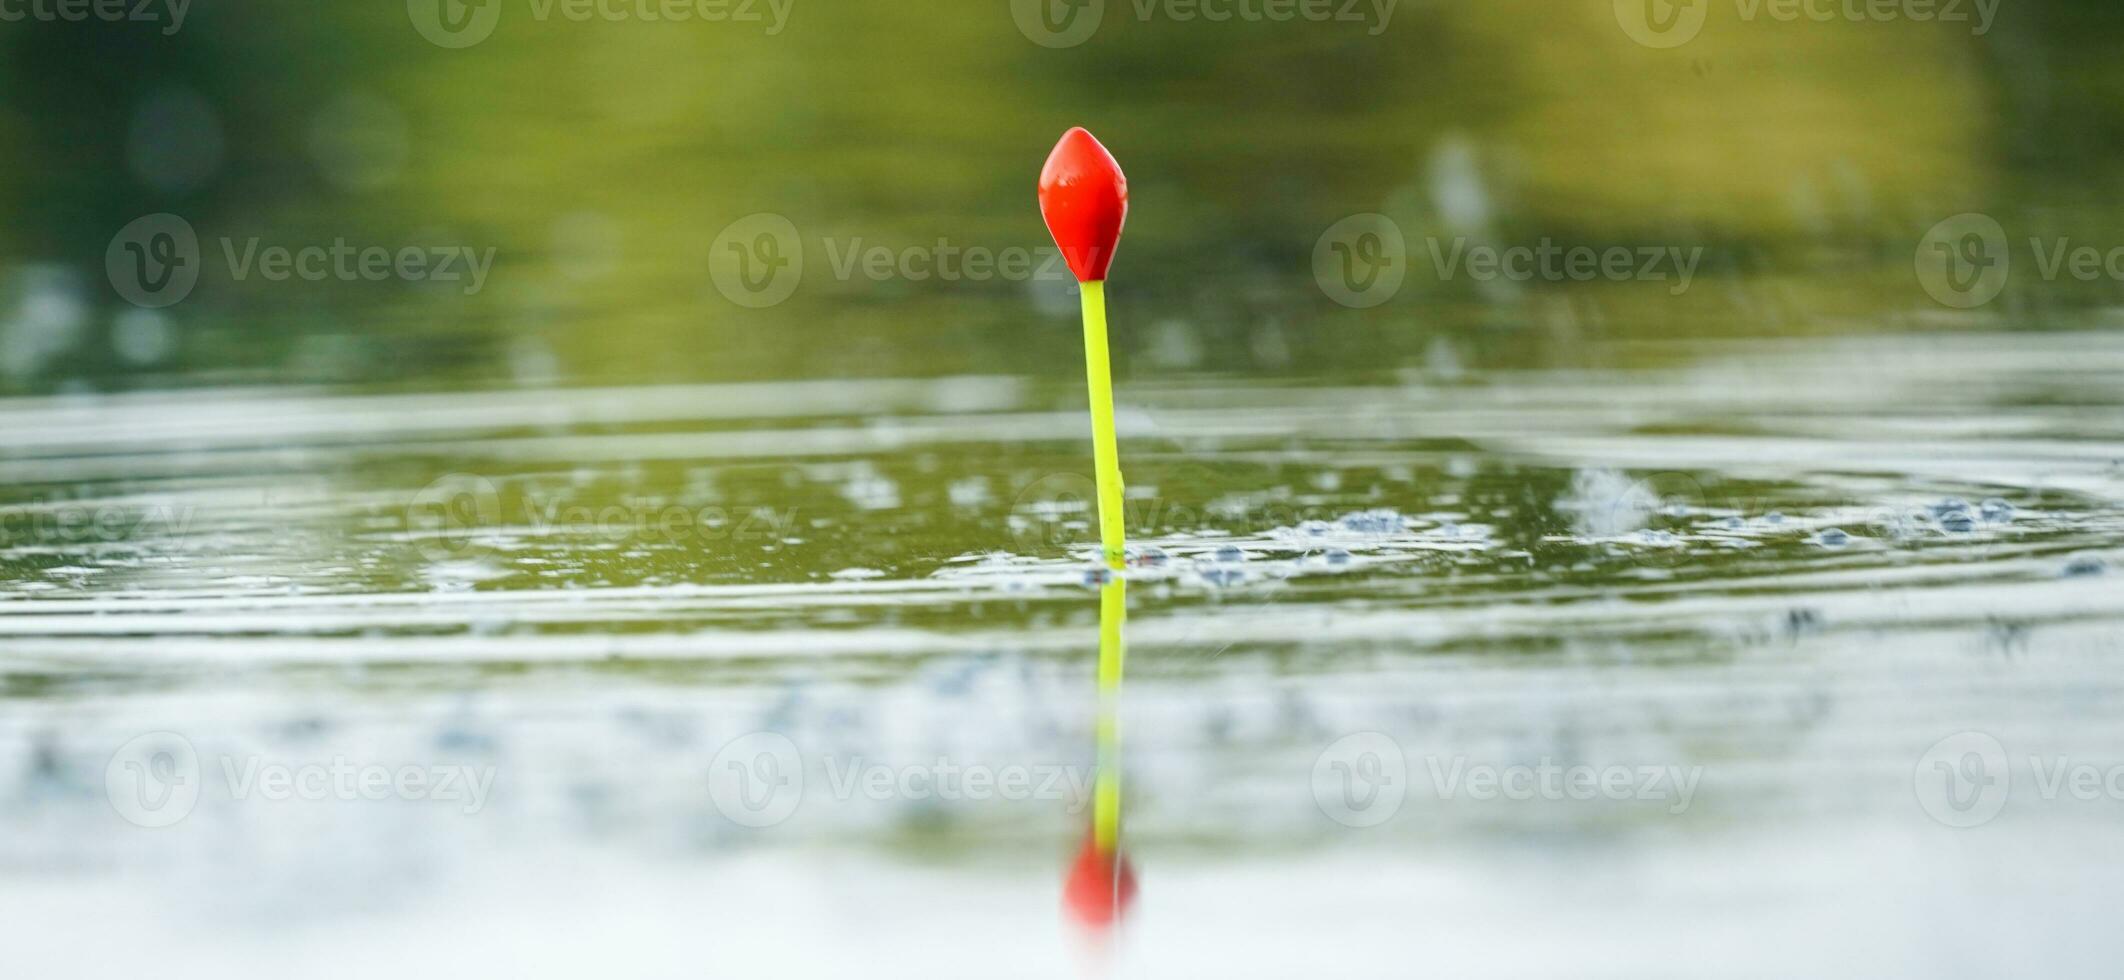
(1084, 199)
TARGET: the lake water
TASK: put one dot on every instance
(1788, 657)
(560, 489)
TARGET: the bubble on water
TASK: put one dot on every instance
(1097, 576)
(1378, 521)
(1773, 518)
(1733, 523)
(1833, 538)
(142, 337)
(1229, 555)
(1316, 528)
(462, 738)
(1174, 345)
(871, 491)
(2085, 566)
(359, 142)
(1996, 511)
(1442, 361)
(46, 321)
(532, 360)
(1223, 577)
(972, 491)
(1958, 521)
(1150, 556)
(1269, 347)
(1456, 185)
(174, 142)
(1951, 505)
(1336, 557)
(1604, 503)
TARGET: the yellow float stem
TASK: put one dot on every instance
(1106, 452)
(1106, 792)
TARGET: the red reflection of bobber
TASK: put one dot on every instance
(1102, 884)
(1100, 888)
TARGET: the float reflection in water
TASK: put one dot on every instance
(1102, 884)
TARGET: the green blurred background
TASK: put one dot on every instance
(600, 159)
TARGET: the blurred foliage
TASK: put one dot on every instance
(601, 159)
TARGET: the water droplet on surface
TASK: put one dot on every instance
(2085, 566)
(1150, 556)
